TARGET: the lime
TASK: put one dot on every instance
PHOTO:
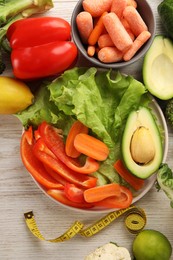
(151, 245)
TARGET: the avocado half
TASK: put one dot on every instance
(142, 149)
(158, 68)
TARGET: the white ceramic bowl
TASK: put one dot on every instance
(148, 182)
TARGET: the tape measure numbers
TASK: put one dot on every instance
(135, 221)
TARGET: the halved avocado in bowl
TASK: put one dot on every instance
(142, 148)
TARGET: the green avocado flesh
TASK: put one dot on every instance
(142, 119)
(158, 68)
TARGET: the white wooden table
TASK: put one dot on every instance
(19, 194)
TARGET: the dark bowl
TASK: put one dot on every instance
(146, 13)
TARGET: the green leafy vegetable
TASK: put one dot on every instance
(165, 181)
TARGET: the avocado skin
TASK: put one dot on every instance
(165, 11)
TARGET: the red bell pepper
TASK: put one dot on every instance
(60, 196)
(31, 32)
(45, 156)
(74, 193)
(57, 146)
(33, 165)
(41, 47)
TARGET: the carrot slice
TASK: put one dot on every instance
(91, 147)
(122, 201)
(102, 192)
(134, 181)
(76, 128)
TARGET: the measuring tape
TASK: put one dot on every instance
(135, 221)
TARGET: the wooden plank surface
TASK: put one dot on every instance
(19, 194)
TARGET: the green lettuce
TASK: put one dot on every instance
(165, 181)
(101, 100)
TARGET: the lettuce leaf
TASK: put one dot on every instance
(100, 100)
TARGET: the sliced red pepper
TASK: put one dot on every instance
(59, 195)
(74, 193)
(36, 134)
(118, 202)
(54, 175)
(43, 154)
(33, 165)
(37, 31)
(43, 60)
(56, 145)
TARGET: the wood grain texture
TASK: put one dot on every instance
(19, 194)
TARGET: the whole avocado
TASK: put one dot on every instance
(165, 11)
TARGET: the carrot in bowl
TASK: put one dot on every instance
(105, 41)
(110, 54)
(137, 44)
(91, 147)
(99, 193)
(118, 7)
(97, 8)
(97, 30)
(117, 32)
(84, 22)
(132, 3)
(76, 128)
(137, 24)
(91, 50)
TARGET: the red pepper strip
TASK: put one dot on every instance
(60, 168)
(29, 136)
(54, 175)
(118, 202)
(33, 165)
(36, 134)
(43, 60)
(74, 193)
(56, 145)
(59, 195)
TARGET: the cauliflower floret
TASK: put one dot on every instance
(109, 252)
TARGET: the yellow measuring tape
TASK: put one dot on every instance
(135, 221)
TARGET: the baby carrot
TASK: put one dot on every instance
(110, 54)
(105, 41)
(127, 27)
(99, 193)
(91, 147)
(135, 182)
(132, 3)
(97, 30)
(76, 128)
(118, 6)
(91, 50)
(135, 21)
(125, 23)
(117, 32)
(97, 8)
(137, 44)
(84, 24)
